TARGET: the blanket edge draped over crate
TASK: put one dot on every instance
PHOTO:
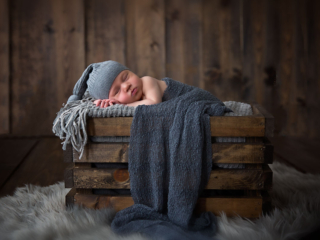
(170, 161)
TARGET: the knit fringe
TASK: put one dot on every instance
(71, 121)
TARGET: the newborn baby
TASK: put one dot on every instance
(131, 90)
(112, 83)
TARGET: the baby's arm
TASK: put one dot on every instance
(151, 91)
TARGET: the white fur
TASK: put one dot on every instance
(39, 213)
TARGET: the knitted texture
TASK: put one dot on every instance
(170, 161)
(70, 123)
(97, 79)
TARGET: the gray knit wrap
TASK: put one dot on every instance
(97, 80)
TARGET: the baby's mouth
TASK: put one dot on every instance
(134, 91)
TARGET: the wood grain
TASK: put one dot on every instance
(222, 56)
(70, 198)
(313, 70)
(13, 152)
(222, 153)
(4, 68)
(269, 119)
(145, 37)
(68, 154)
(103, 152)
(302, 153)
(68, 177)
(286, 25)
(251, 179)
(43, 166)
(242, 126)
(249, 207)
(105, 31)
(254, 49)
(184, 41)
(47, 39)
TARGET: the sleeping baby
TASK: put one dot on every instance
(112, 83)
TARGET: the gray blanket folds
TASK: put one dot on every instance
(170, 161)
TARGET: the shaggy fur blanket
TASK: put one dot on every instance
(35, 212)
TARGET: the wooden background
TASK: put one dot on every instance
(267, 51)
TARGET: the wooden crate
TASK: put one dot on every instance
(253, 181)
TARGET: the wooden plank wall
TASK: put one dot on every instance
(267, 51)
(4, 67)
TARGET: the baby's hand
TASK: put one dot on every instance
(103, 103)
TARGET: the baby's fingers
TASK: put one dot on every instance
(97, 102)
(104, 103)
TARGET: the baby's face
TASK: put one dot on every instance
(126, 88)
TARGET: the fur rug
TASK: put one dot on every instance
(39, 213)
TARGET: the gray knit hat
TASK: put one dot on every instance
(97, 78)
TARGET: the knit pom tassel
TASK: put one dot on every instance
(70, 124)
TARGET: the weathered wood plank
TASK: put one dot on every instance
(4, 67)
(47, 43)
(241, 153)
(222, 153)
(249, 207)
(103, 152)
(105, 31)
(145, 37)
(248, 126)
(301, 153)
(313, 69)
(70, 197)
(298, 110)
(68, 177)
(242, 126)
(119, 126)
(68, 154)
(285, 73)
(42, 166)
(253, 179)
(269, 119)
(13, 152)
(221, 44)
(184, 41)
(254, 23)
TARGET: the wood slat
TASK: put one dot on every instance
(242, 126)
(184, 41)
(253, 179)
(302, 153)
(254, 48)
(269, 119)
(105, 35)
(4, 67)
(221, 48)
(70, 197)
(43, 166)
(68, 154)
(246, 206)
(249, 126)
(312, 88)
(13, 152)
(222, 153)
(286, 15)
(145, 37)
(47, 58)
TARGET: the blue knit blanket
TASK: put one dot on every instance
(170, 161)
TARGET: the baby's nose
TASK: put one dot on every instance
(125, 86)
